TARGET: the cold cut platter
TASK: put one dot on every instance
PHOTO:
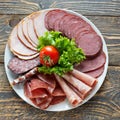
(56, 59)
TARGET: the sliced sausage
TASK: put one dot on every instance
(92, 64)
(96, 73)
(20, 66)
(91, 44)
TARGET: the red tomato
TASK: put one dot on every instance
(49, 56)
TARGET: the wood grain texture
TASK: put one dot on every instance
(105, 105)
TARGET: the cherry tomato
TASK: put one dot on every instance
(49, 56)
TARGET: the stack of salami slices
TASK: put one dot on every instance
(45, 90)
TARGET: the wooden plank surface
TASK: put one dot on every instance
(105, 105)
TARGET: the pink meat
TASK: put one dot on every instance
(57, 100)
(36, 93)
(81, 86)
(72, 97)
(92, 64)
(49, 79)
(87, 79)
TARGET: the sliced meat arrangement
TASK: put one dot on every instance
(44, 89)
(75, 27)
(23, 40)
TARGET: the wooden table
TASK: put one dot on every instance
(105, 105)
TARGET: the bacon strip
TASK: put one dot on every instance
(85, 78)
(73, 98)
(82, 87)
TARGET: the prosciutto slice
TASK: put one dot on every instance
(49, 79)
(85, 78)
(73, 98)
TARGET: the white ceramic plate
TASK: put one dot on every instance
(65, 104)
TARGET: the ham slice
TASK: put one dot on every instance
(73, 98)
(31, 32)
(39, 25)
(25, 32)
(85, 78)
(82, 87)
(17, 47)
(22, 37)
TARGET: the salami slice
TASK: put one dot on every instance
(19, 66)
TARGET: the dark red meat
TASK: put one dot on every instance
(92, 64)
(19, 66)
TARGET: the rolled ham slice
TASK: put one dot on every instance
(82, 87)
(72, 97)
(87, 79)
(39, 25)
(17, 47)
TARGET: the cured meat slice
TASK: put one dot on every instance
(73, 98)
(49, 79)
(42, 103)
(87, 79)
(25, 77)
(17, 46)
(57, 100)
(31, 32)
(45, 104)
(23, 57)
(36, 93)
(96, 73)
(25, 32)
(58, 91)
(82, 87)
(22, 37)
(19, 66)
(39, 25)
(87, 41)
(92, 64)
(52, 16)
(76, 90)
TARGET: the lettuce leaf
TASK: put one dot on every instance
(69, 52)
